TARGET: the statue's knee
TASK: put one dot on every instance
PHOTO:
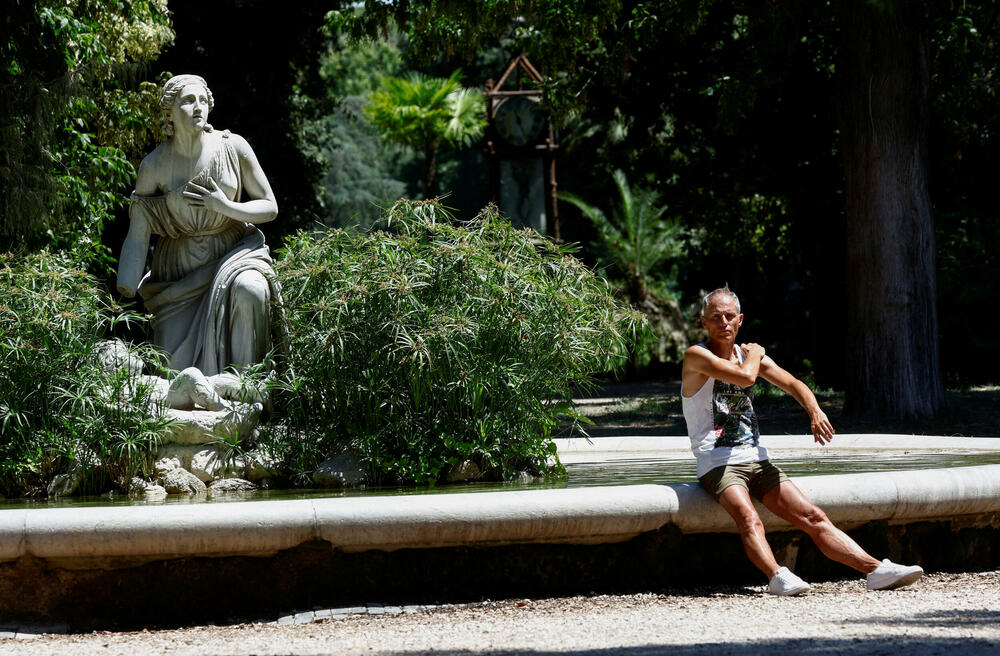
(251, 288)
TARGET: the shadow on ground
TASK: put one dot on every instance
(950, 618)
(887, 646)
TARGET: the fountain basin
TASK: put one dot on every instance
(566, 528)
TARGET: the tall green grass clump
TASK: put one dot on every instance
(430, 344)
(61, 411)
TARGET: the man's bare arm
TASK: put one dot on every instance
(700, 361)
(820, 425)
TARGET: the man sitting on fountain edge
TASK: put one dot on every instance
(716, 382)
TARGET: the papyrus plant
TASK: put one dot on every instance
(430, 343)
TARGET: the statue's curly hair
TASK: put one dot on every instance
(173, 87)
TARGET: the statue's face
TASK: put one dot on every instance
(190, 108)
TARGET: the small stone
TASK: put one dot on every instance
(341, 470)
(207, 464)
(466, 470)
(167, 462)
(524, 477)
(181, 481)
(206, 426)
(231, 485)
(64, 484)
(137, 487)
(260, 466)
(155, 493)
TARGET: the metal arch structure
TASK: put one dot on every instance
(522, 80)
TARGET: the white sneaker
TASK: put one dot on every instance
(786, 584)
(888, 575)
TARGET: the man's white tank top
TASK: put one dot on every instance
(722, 424)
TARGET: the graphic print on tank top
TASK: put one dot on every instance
(733, 416)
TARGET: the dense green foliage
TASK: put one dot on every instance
(425, 113)
(74, 118)
(636, 237)
(360, 171)
(59, 407)
(433, 344)
(964, 172)
(738, 132)
(362, 175)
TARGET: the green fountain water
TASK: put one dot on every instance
(597, 469)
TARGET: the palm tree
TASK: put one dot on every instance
(636, 236)
(424, 112)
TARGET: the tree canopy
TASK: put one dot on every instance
(425, 112)
(730, 110)
(75, 95)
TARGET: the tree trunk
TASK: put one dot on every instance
(892, 341)
(430, 171)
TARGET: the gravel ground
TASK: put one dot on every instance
(941, 614)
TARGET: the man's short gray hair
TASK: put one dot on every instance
(721, 290)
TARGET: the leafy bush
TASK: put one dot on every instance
(58, 406)
(79, 120)
(636, 236)
(636, 242)
(433, 344)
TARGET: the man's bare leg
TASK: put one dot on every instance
(788, 502)
(736, 500)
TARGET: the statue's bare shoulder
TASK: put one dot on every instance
(241, 146)
(254, 180)
(151, 178)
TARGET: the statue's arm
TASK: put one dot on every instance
(255, 182)
(261, 208)
(132, 260)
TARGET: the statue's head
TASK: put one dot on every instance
(169, 95)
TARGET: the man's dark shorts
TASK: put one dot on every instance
(756, 477)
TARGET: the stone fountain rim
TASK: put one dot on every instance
(118, 536)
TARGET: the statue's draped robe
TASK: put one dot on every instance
(198, 257)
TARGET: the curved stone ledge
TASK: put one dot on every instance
(574, 516)
(777, 443)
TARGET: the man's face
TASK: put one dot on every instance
(721, 319)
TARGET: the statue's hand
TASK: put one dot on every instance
(212, 198)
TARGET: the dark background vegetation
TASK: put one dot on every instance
(728, 109)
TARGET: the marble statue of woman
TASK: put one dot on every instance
(211, 282)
